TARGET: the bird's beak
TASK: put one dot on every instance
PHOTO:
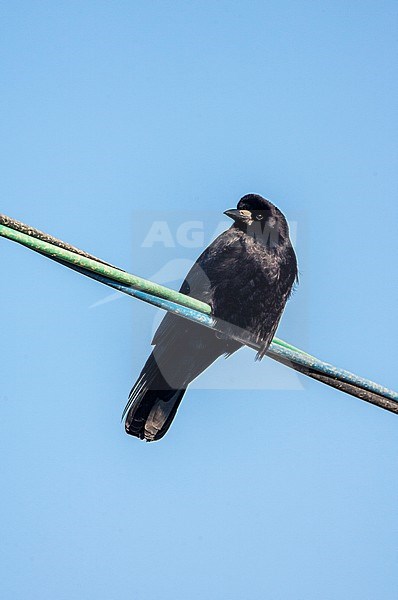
(238, 215)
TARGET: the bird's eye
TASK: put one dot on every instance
(259, 217)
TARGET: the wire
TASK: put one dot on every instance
(195, 310)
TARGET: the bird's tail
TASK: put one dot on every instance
(152, 404)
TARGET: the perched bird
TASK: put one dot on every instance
(246, 275)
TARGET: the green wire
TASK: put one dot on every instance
(193, 309)
(118, 275)
(102, 269)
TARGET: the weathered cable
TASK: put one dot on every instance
(175, 302)
(137, 282)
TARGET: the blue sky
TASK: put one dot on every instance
(119, 113)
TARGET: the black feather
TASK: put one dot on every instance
(246, 275)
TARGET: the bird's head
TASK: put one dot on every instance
(261, 219)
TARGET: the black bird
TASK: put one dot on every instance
(246, 275)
